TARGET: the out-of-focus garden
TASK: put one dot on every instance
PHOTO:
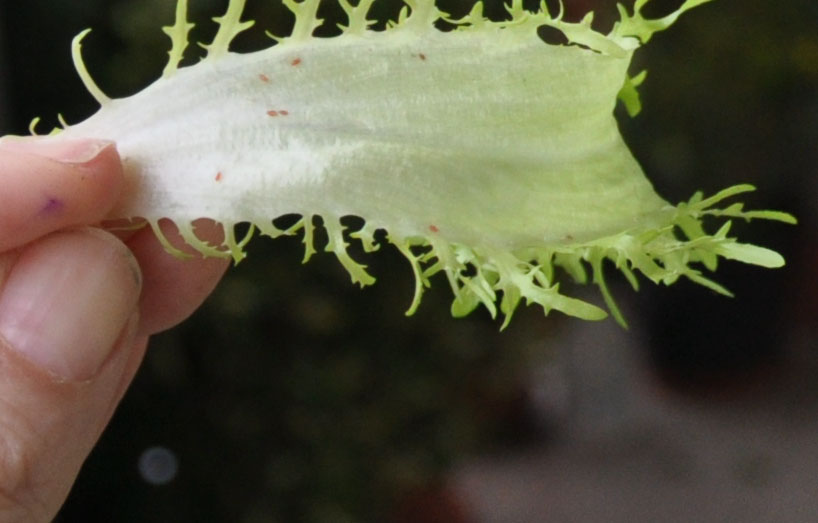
(294, 396)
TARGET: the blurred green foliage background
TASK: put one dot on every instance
(294, 396)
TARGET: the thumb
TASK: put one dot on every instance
(67, 352)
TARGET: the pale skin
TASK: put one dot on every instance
(77, 306)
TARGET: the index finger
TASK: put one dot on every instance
(49, 183)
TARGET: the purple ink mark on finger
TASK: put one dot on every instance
(52, 206)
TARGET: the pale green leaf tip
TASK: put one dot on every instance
(629, 95)
(82, 71)
(178, 34)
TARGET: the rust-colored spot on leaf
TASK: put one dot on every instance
(264, 78)
(433, 228)
(283, 112)
(219, 176)
(295, 62)
(422, 56)
(272, 113)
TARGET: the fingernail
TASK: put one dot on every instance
(65, 150)
(67, 300)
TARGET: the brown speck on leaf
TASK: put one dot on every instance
(434, 228)
(422, 56)
(295, 62)
(219, 176)
(272, 113)
(264, 78)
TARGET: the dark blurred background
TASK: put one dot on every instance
(293, 396)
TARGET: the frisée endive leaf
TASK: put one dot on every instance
(485, 153)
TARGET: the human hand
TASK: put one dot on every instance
(77, 305)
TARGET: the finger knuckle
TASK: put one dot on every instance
(17, 488)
